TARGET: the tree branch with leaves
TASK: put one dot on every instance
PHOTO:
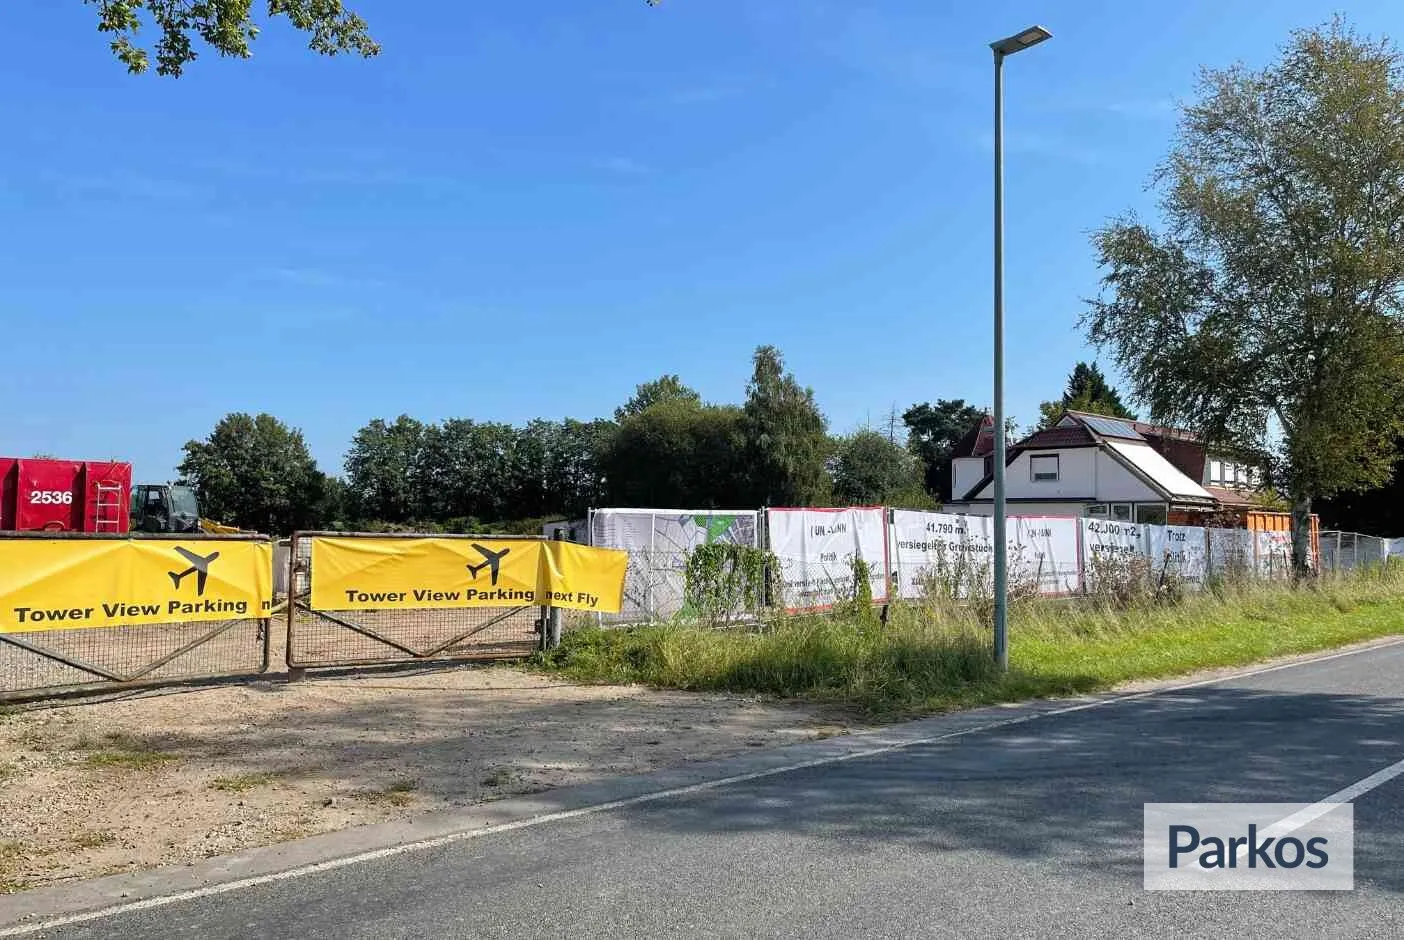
(1267, 312)
(227, 26)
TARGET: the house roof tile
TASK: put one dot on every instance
(978, 441)
(1057, 437)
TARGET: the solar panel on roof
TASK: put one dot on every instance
(1112, 427)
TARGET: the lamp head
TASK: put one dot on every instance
(1020, 41)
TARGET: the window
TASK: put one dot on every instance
(1216, 471)
(1151, 514)
(1121, 512)
(1044, 467)
(1097, 511)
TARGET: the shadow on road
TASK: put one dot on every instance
(1071, 788)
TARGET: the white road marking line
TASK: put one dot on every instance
(1315, 811)
(451, 838)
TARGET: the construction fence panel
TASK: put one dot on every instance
(920, 552)
(954, 555)
(1272, 554)
(1179, 551)
(342, 630)
(816, 550)
(658, 542)
(87, 611)
(1346, 551)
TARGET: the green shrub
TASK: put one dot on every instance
(724, 582)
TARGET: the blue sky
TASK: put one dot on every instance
(526, 209)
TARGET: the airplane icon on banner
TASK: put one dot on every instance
(199, 567)
(493, 560)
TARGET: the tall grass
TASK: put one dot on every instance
(935, 655)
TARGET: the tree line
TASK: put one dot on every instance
(663, 447)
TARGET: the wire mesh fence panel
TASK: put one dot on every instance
(327, 637)
(655, 588)
(364, 637)
(59, 659)
(1347, 551)
(659, 542)
(128, 609)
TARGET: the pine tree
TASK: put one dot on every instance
(1087, 390)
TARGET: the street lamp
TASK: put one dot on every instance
(1004, 47)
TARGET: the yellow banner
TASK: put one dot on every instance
(579, 577)
(67, 584)
(418, 573)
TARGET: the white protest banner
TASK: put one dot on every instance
(1043, 552)
(1230, 551)
(816, 549)
(937, 551)
(1109, 546)
(1273, 554)
(953, 554)
(1179, 550)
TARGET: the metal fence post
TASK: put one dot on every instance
(553, 614)
(295, 673)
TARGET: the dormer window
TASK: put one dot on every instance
(1044, 468)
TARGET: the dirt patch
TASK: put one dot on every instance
(92, 788)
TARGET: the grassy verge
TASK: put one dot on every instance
(935, 656)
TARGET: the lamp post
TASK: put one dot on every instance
(1004, 47)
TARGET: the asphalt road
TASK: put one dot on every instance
(1030, 829)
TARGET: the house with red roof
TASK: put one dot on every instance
(1112, 468)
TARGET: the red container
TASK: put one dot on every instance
(39, 495)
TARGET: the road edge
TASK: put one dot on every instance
(43, 908)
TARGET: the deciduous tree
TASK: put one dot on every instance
(1266, 313)
(382, 478)
(229, 27)
(933, 430)
(679, 455)
(870, 470)
(664, 388)
(256, 473)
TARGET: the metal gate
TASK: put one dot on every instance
(62, 660)
(319, 638)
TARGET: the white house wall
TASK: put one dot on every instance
(967, 471)
(1116, 484)
(1017, 509)
(1076, 477)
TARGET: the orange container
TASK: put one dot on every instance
(1259, 521)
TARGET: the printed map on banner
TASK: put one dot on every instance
(658, 543)
(64, 584)
(816, 549)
